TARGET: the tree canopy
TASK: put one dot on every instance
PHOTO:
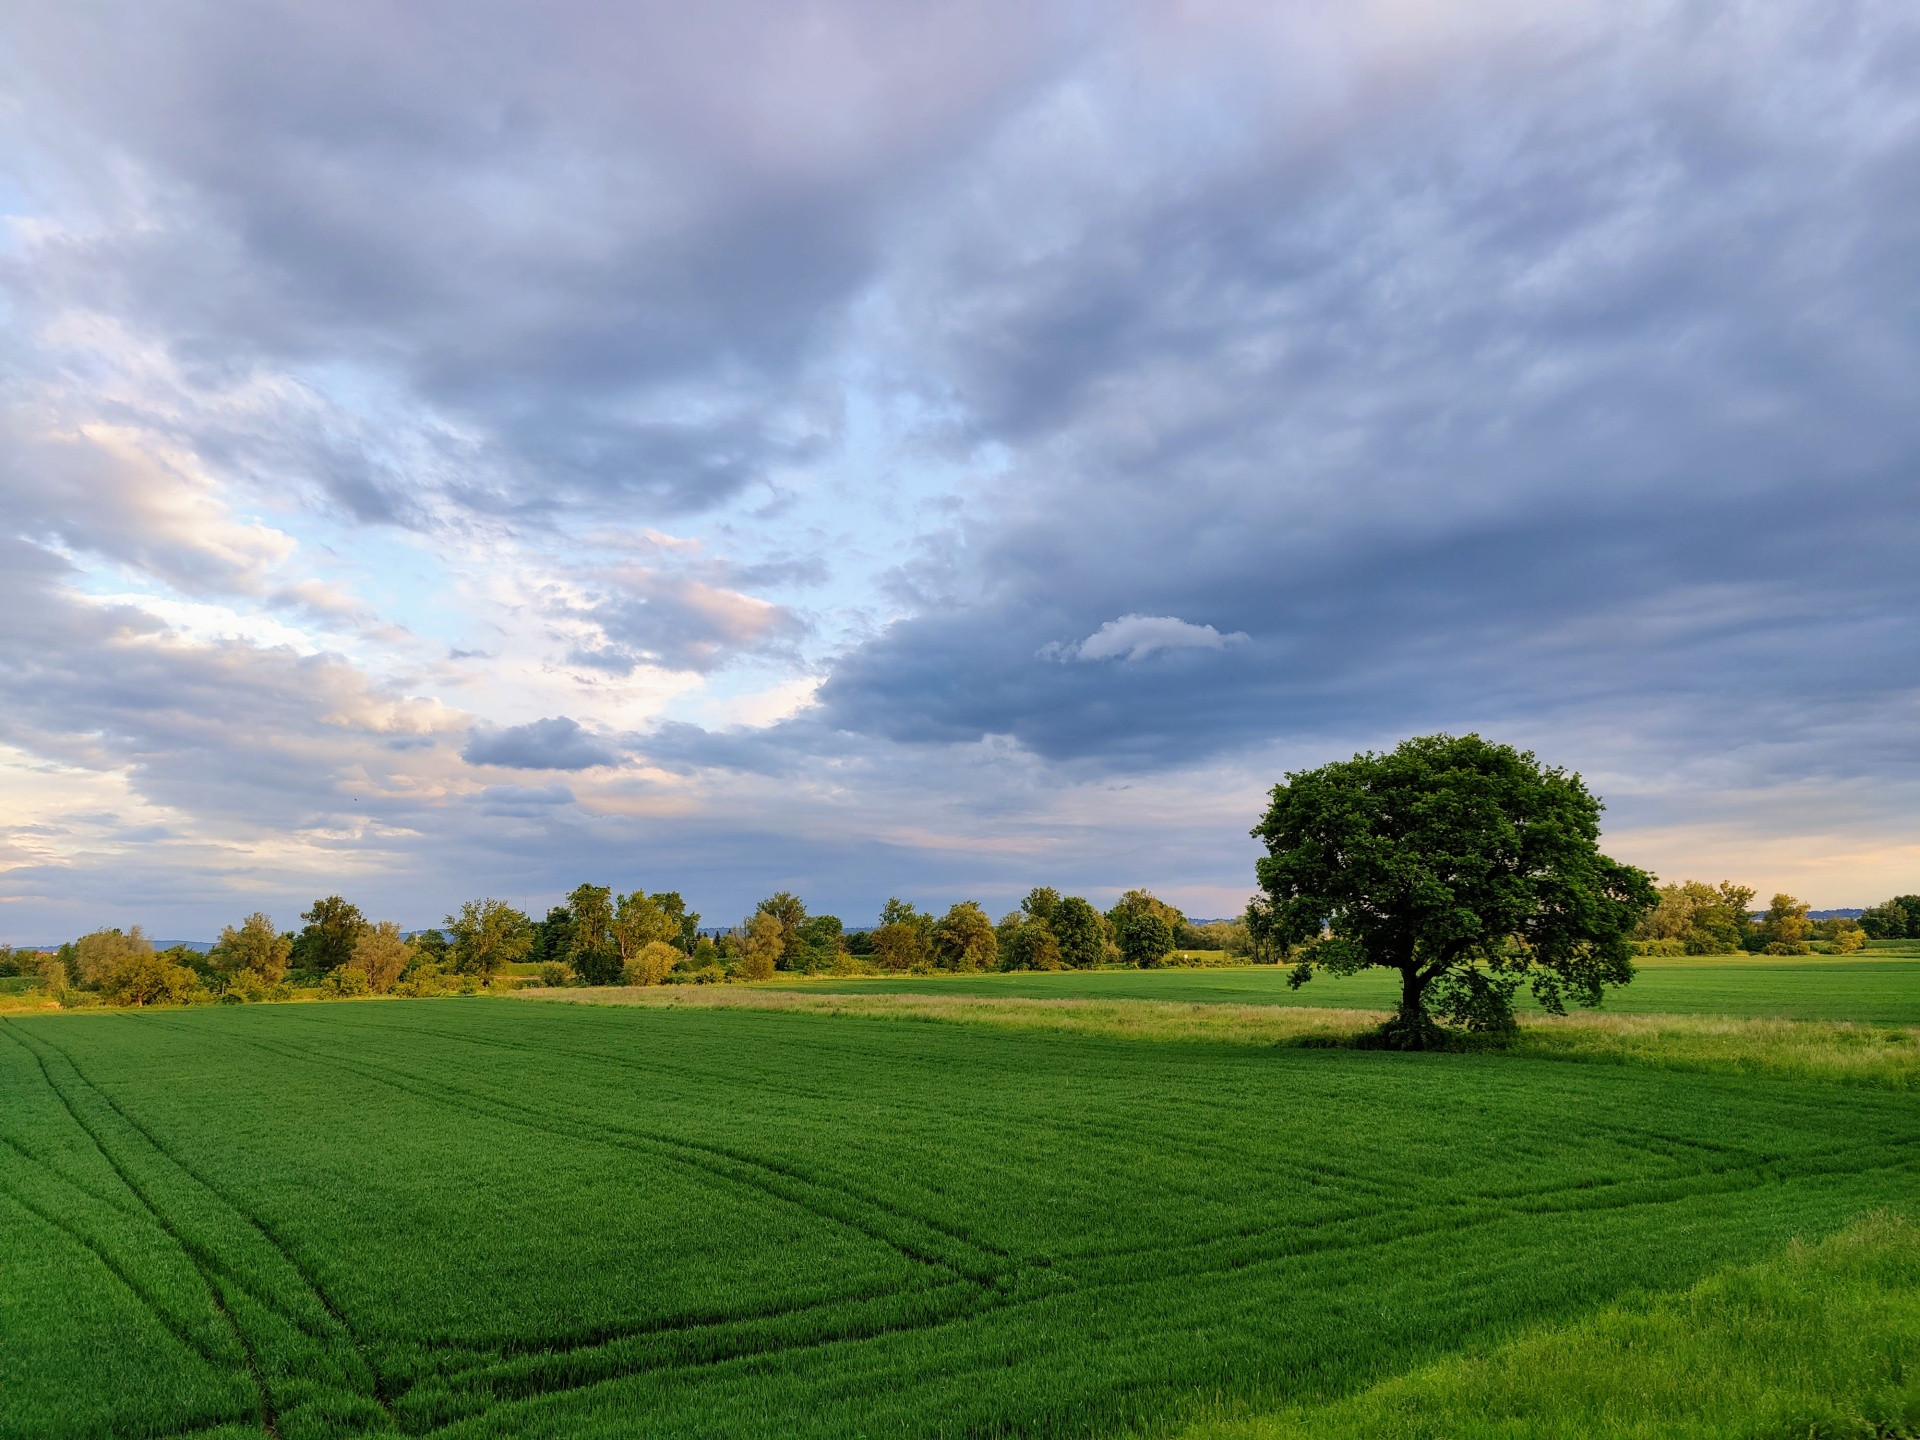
(1467, 866)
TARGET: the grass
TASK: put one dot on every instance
(491, 1217)
(1881, 990)
(1820, 1341)
(1835, 1052)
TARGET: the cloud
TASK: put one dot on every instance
(1135, 637)
(556, 743)
(364, 392)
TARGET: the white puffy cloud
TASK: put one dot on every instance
(1135, 637)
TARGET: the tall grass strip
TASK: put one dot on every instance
(1821, 1341)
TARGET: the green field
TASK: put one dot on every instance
(1882, 991)
(491, 1217)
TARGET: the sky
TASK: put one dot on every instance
(937, 449)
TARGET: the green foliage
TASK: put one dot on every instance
(904, 939)
(763, 943)
(1082, 933)
(594, 953)
(1446, 855)
(819, 945)
(326, 941)
(488, 934)
(1144, 928)
(1027, 942)
(641, 920)
(789, 913)
(760, 1240)
(1694, 918)
(1893, 919)
(553, 937)
(963, 939)
(254, 953)
(380, 957)
(1145, 939)
(1785, 929)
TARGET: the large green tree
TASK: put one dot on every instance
(963, 938)
(593, 952)
(1468, 867)
(1081, 931)
(790, 913)
(326, 941)
(489, 934)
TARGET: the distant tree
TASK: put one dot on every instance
(380, 955)
(126, 971)
(1264, 945)
(1842, 932)
(1026, 942)
(1705, 920)
(553, 937)
(1466, 866)
(326, 942)
(788, 911)
(429, 949)
(819, 944)
(1886, 921)
(100, 956)
(686, 922)
(1785, 928)
(1041, 903)
(903, 940)
(761, 946)
(1158, 922)
(1081, 933)
(150, 979)
(1145, 940)
(963, 938)
(594, 953)
(640, 920)
(254, 949)
(1895, 919)
(653, 963)
(488, 935)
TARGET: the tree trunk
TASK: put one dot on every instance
(1412, 1028)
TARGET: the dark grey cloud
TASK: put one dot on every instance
(555, 743)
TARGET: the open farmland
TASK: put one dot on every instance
(479, 1218)
(1882, 991)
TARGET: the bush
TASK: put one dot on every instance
(1659, 947)
(652, 964)
(553, 975)
(348, 980)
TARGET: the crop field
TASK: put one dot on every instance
(1884, 991)
(491, 1217)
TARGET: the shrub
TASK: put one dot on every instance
(349, 980)
(652, 964)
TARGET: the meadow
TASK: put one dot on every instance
(1882, 989)
(493, 1217)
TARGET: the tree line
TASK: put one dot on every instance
(1694, 918)
(599, 936)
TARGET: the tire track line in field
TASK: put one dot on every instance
(261, 1292)
(786, 1169)
(711, 1160)
(269, 1418)
(465, 1102)
(174, 1327)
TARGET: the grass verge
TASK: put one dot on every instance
(1822, 1341)
(1833, 1052)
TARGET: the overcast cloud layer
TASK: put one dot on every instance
(934, 450)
